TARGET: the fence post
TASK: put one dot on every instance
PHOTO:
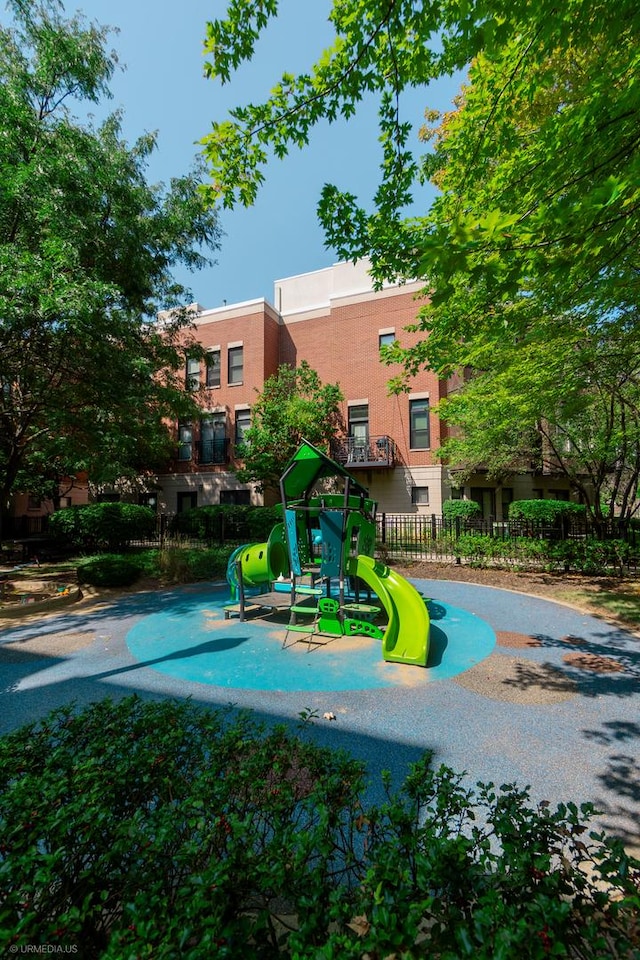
(384, 528)
(163, 529)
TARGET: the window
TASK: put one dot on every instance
(559, 495)
(235, 365)
(419, 437)
(239, 497)
(192, 377)
(420, 496)
(185, 440)
(187, 501)
(212, 374)
(358, 431)
(213, 442)
(243, 422)
(486, 498)
(386, 338)
(507, 499)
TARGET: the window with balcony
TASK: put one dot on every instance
(213, 368)
(185, 440)
(235, 369)
(192, 375)
(213, 438)
(358, 425)
(419, 435)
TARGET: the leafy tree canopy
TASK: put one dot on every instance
(541, 154)
(530, 252)
(293, 405)
(87, 249)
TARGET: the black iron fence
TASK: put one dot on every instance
(432, 537)
(408, 535)
(398, 536)
(18, 527)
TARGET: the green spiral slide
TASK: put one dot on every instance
(406, 639)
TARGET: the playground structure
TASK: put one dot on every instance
(318, 561)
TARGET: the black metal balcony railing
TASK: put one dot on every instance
(356, 452)
(213, 451)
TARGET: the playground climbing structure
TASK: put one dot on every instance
(319, 559)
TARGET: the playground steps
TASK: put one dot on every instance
(308, 632)
(303, 606)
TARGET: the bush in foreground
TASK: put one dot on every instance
(162, 830)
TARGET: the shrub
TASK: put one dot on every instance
(110, 570)
(461, 509)
(185, 565)
(235, 521)
(544, 511)
(479, 548)
(591, 556)
(161, 829)
(102, 526)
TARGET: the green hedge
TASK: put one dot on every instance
(461, 509)
(584, 555)
(544, 511)
(159, 829)
(102, 526)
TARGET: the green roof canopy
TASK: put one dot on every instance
(309, 465)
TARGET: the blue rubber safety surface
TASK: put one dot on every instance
(198, 644)
(527, 714)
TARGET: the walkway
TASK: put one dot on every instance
(518, 689)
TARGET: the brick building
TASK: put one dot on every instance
(333, 319)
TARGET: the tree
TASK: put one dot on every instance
(566, 405)
(293, 405)
(87, 246)
(568, 69)
(537, 224)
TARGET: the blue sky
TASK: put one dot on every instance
(163, 89)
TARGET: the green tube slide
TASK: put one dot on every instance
(406, 639)
(260, 562)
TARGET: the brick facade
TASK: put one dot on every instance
(333, 319)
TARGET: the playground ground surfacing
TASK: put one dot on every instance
(518, 689)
